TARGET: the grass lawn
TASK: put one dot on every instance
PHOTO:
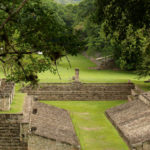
(87, 75)
(93, 129)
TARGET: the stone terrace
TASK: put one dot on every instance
(132, 120)
(81, 91)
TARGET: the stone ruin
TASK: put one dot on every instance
(78, 91)
(76, 77)
(132, 120)
(49, 127)
(7, 91)
(40, 127)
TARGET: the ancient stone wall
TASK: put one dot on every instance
(81, 91)
(142, 146)
(133, 122)
(7, 91)
(41, 143)
(10, 132)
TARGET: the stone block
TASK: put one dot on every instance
(146, 146)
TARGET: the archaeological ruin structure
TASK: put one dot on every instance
(39, 127)
(42, 126)
(7, 91)
(77, 91)
(132, 120)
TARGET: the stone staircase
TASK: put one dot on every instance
(10, 132)
(135, 93)
(81, 91)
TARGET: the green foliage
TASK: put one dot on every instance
(91, 32)
(37, 27)
(127, 25)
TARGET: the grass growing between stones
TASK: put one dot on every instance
(17, 103)
(93, 129)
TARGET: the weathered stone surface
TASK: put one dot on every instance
(53, 123)
(42, 143)
(145, 97)
(47, 127)
(7, 90)
(81, 91)
(146, 145)
(10, 132)
(133, 123)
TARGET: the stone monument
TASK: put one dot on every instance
(76, 75)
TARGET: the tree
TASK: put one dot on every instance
(28, 28)
(127, 23)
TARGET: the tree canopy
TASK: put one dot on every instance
(127, 23)
(110, 27)
(29, 27)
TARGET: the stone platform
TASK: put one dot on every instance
(78, 91)
(132, 120)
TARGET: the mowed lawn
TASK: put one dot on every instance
(93, 129)
(88, 75)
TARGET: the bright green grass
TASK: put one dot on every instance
(93, 129)
(87, 75)
(17, 103)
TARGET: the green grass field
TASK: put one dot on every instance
(93, 129)
(86, 75)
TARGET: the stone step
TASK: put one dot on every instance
(12, 143)
(101, 88)
(9, 138)
(131, 98)
(77, 92)
(82, 87)
(6, 125)
(79, 97)
(9, 134)
(13, 148)
(135, 92)
(144, 99)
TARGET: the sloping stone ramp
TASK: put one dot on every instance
(47, 127)
(132, 120)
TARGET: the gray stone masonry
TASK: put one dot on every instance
(46, 127)
(132, 120)
(7, 91)
(76, 75)
(10, 132)
(78, 91)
